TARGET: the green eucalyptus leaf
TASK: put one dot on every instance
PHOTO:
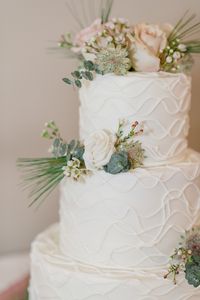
(118, 163)
(89, 75)
(67, 80)
(98, 71)
(78, 83)
(84, 75)
(72, 145)
(76, 74)
(56, 143)
(78, 152)
(62, 149)
(89, 65)
(192, 271)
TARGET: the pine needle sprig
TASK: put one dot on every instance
(193, 46)
(106, 11)
(41, 175)
(85, 11)
(185, 27)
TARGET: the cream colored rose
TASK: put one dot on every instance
(99, 147)
(146, 45)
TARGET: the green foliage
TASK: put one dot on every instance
(51, 131)
(67, 81)
(186, 26)
(192, 271)
(85, 71)
(58, 148)
(41, 175)
(75, 149)
(106, 11)
(89, 65)
(118, 163)
(176, 57)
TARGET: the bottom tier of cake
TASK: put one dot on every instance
(56, 277)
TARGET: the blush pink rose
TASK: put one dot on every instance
(86, 34)
(147, 43)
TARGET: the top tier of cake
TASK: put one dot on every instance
(158, 101)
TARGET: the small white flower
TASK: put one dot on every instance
(70, 163)
(169, 59)
(110, 25)
(177, 55)
(182, 47)
(180, 252)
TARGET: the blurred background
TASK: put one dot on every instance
(32, 92)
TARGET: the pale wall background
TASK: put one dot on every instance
(31, 92)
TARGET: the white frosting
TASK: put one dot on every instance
(57, 277)
(130, 220)
(116, 232)
(160, 101)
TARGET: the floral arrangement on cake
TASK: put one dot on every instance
(111, 45)
(186, 258)
(102, 150)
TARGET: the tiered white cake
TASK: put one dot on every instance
(117, 232)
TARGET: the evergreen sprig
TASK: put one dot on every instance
(185, 28)
(41, 175)
(106, 11)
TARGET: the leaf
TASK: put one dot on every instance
(192, 271)
(62, 150)
(78, 152)
(67, 80)
(41, 175)
(56, 143)
(76, 74)
(78, 83)
(89, 75)
(118, 163)
(71, 146)
(89, 65)
(106, 10)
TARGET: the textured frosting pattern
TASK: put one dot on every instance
(160, 101)
(130, 220)
(56, 277)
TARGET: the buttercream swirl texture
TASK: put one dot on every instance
(160, 101)
(116, 232)
(130, 220)
(57, 277)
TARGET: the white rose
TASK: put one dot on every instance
(99, 147)
(146, 44)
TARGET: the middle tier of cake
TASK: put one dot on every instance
(130, 220)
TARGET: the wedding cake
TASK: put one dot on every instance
(117, 232)
(130, 187)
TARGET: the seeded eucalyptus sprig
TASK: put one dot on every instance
(86, 71)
